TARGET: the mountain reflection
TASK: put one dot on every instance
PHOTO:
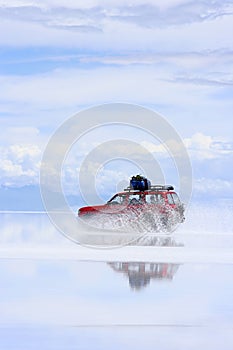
(140, 274)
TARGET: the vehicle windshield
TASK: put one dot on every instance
(117, 199)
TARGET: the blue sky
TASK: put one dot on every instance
(60, 57)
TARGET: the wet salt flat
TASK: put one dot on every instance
(57, 295)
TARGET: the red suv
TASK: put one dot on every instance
(158, 207)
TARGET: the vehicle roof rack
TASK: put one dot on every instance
(162, 187)
(128, 189)
(152, 188)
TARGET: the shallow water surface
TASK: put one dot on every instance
(56, 295)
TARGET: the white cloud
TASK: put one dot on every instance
(141, 13)
(141, 84)
(175, 68)
(174, 54)
(102, 25)
(19, 165)
(21, 153)
(206, 147)
(213, 187)
(199, 146)
(16, 140)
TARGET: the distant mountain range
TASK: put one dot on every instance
(27, 198)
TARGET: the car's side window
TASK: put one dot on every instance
(160, 198)
(150, 199)
(175, 198)
(170, 199)
(156, 198)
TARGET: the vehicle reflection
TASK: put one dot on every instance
(140, 274)
(156, 241)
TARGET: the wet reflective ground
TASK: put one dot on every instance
(56, 295)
